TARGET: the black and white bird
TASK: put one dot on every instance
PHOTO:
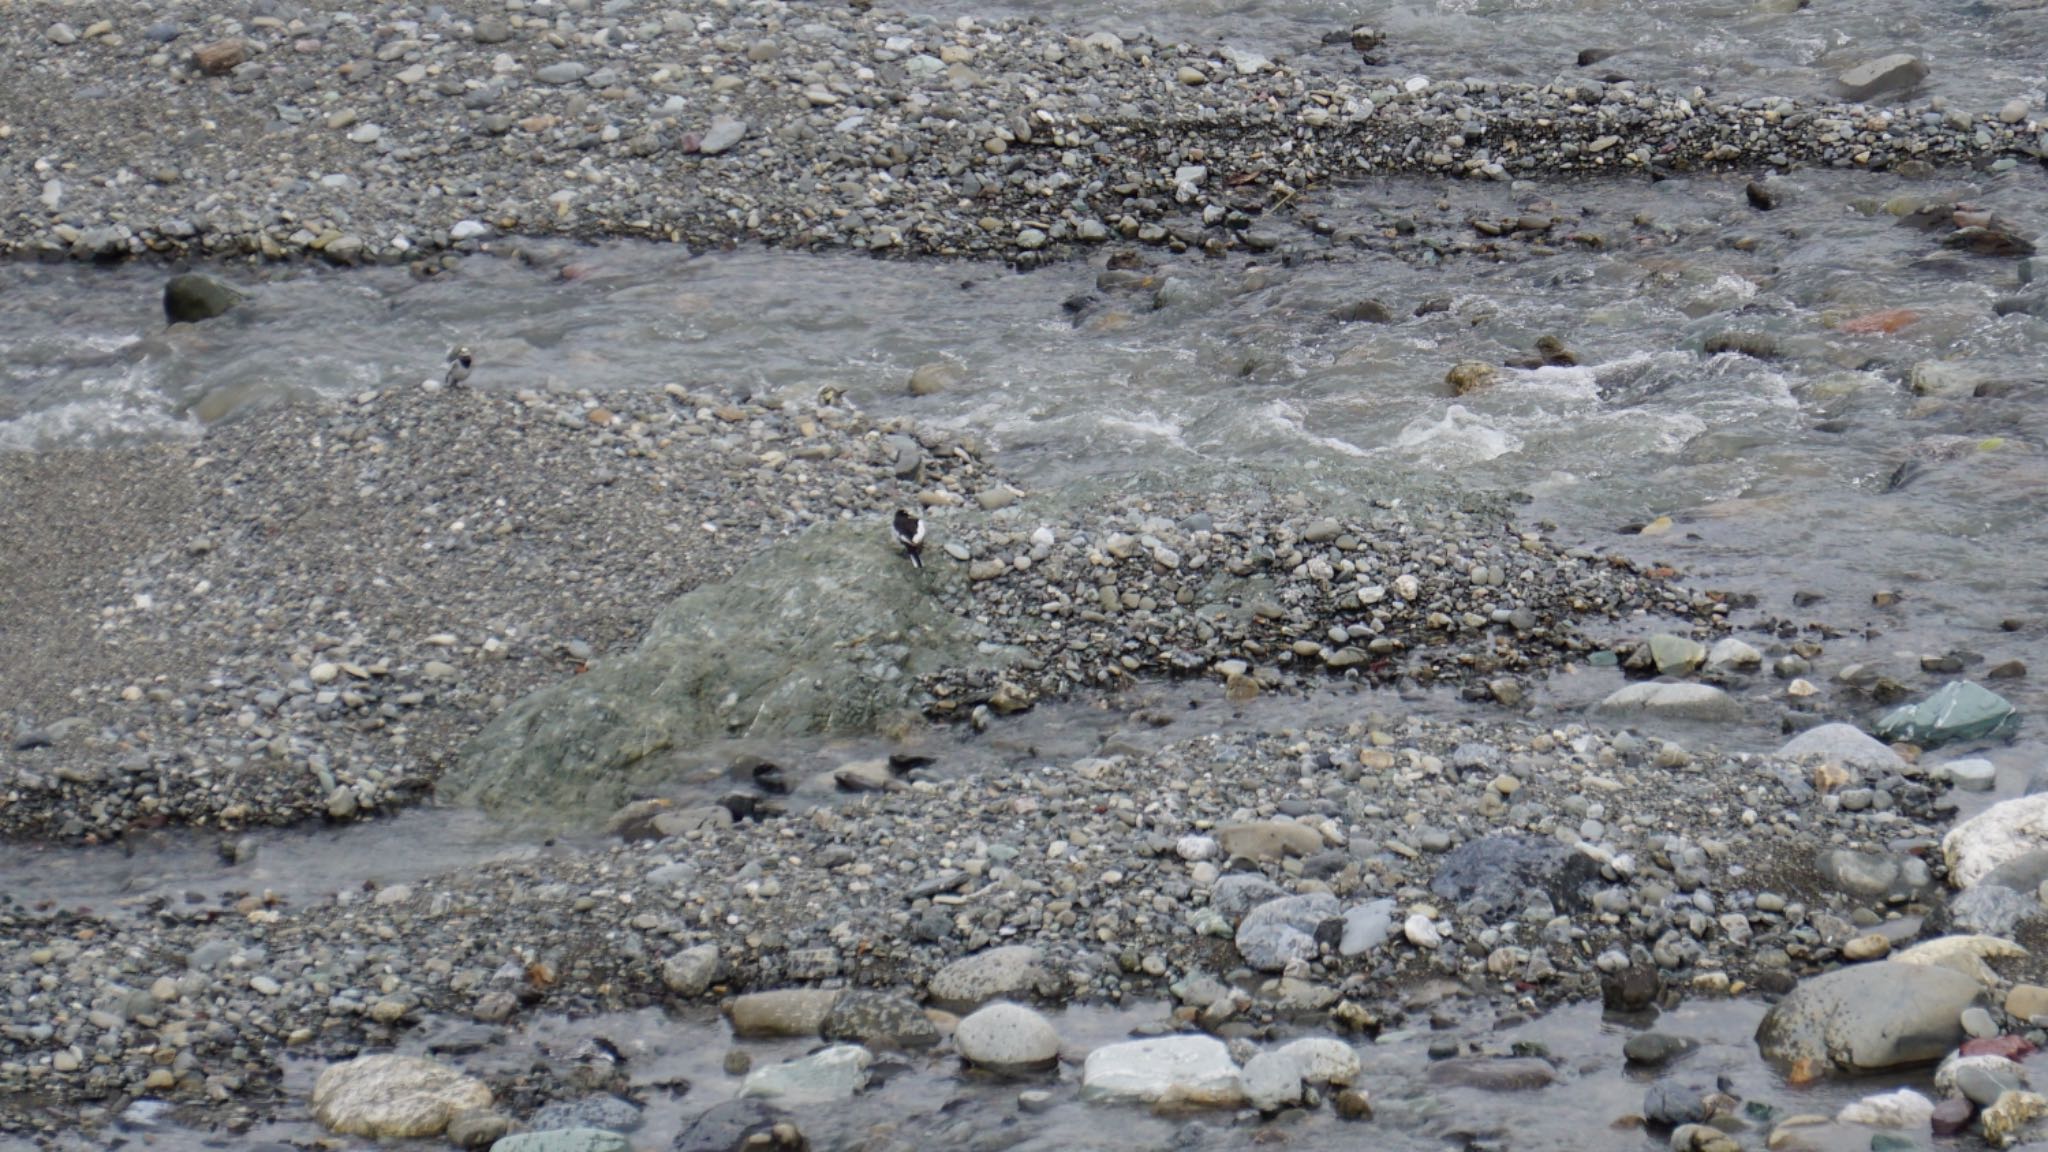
(909, 532)
(459, 363)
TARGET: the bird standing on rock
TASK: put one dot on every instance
(909, 532)
(459, 363)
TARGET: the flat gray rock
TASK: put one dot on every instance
(1841, 744)
(1869, 1017)
(1884, 74)
(1682, 701)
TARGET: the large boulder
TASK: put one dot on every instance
(827, 633)
(387, 1097)
(1869, 1017)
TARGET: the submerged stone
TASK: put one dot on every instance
(191, 298)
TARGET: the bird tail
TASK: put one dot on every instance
(917, 560)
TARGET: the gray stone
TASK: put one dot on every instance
(491, 30)
(990, 975)
(727, 1126)
(1676, 655)
(1732, 653)
(933, 378)
(1885, 74)
(564, 72)
(1971, 775)
(1947, 378)
(1869, 1017)
(1004, 1035)
(607, 1112)
(1694, 702)
(879, 1020)
(564, 1140)
(721, 136)
(692, 971)
(1982, 1079)
(1841, 744)
(783, 1012)
(1272, 1081)
(1992, 909)
(1500, 874)
(1671, 1104)
(1285, 929)
(1366, 927)
(192, 297)
(2008, 831)
(1870, 874)
(1239, 892)
(820, 1078)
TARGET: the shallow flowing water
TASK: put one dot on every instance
(1815, 470)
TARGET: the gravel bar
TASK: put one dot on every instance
(380, 133)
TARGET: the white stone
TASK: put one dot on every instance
(1972, 775)
(820, 1078)
(1324, 1060)
(1841, 744)
(1006, 1035)
(1677, 701)
(1733, 653)
(1197, 848)
(1904, 1108)
(1187, 1071)
(1421, 931)
(2005, 831)
(394, 1097)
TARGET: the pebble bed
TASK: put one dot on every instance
(413, 134)
(1215, 871)
(304, 614)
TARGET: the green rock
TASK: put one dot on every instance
(1892, 1142)
(190, 298)
(829, 633)
(1959, 711)
(1676, 655)
(564, 1140)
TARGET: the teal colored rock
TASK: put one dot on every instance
(564, 1140)
(1892, 1142)
(1959, 711)
(829, 633)
(190, 298)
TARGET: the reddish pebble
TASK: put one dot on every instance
(1951, 1116)
(2010, 1047)
(1888, 321)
